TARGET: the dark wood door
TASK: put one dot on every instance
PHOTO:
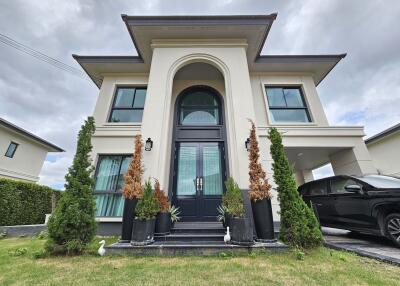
(199, 177)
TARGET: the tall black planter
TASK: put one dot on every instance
(264, 224)
(241, 231)
(143, 231)
(127, 219)
(163, 224)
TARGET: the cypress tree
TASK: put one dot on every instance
(72, 225)
(299, 226)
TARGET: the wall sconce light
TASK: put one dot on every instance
(247, 144)
(148, 145)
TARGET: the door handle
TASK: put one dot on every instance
(201, 184)
(197, 184)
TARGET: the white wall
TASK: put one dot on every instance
(385, 154)
(27, 160)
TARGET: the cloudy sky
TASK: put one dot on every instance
(364, 89)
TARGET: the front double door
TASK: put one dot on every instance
(199, 177)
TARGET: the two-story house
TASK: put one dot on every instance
(23, 153)
(190, 92)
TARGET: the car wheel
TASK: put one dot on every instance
(392, 228)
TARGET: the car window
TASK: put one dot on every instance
(338, 185)
(318, 188)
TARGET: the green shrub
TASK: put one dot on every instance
(299, 226)
(72, 225)
(39, 254)
(147, 206)
(18, 252)
(24, 203)
(232, 200)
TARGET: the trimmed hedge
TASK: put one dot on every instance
(24, 203)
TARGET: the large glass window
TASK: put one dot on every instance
(128, 105)
(286, 104)
(199, 107)
(109, 183)
(11, 150)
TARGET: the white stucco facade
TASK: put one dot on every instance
(242, 86)
(385, 152)
(28, 158)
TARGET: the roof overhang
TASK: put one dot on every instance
(317, 65)
(97, 66)
(32, 137)
(383, 134)
(253, 29)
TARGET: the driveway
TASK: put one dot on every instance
(365, 245)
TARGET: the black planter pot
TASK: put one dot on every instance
(127, 219)
(264, 224)
(143, 232)
(163, 224)
(241, 231)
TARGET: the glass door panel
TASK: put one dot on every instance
(212, 170)
(186, 170)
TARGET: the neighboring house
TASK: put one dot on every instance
(23, 153)
(384, 148)
(191, 90)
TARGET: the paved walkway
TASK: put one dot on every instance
(365, 245)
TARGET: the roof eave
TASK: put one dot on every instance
(33, 137)
(336, 58)
(383, 134)
(104, 59)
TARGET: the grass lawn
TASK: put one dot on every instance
(320, 267)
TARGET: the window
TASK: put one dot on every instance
(11, 150)
(338, 185)
(286, 104)
(199, 107)
(128, 105)
(109, 183)
(318, 188)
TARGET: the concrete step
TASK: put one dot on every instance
(192, 237)
(169, 248)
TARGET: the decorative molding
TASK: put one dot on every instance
(18, 175)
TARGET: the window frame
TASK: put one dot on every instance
(346, 193)
(97, 171)
(112, 106)
(15, 150)
(190, 90)
(305, 107)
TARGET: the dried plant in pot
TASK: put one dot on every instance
(259, 192)
(133, 189)
(240, 228)
(145, 217)
(163, 219)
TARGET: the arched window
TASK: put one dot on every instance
(199, 106)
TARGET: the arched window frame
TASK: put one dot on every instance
(192, 90)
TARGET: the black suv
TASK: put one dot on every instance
(368, 204)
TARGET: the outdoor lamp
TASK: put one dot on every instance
(148, 145)
(247, 144)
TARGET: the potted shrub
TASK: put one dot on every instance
(145, 217)
(259, 192)
(132, 189)
(241, 231)
(163, 219)
(174, 212)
